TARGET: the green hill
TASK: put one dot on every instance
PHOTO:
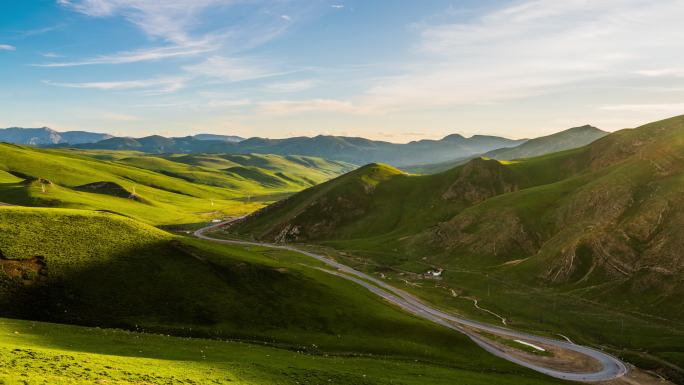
(167, 189)
(39, 352)
(99, 269)
(598, 228)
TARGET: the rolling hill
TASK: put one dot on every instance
(160, 190)
(125, 274)
(595, 229)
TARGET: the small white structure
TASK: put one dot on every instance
(437, 273)
(216, 221)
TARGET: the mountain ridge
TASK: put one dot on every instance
(347, 149)
(48, 136)
(559, 141)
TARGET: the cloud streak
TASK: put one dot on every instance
(292, 107)
(7, 47)
(138, 56)
(170, 20)
(157, 85)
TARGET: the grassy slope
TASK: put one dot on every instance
(56, 354)
(121, 273)
(169, 191)
(594, 230)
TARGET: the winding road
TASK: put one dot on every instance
(611, 367)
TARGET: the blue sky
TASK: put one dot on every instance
(394, 70)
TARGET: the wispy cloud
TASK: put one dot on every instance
(141, 55)
(533, 48)
(228, 103)
(292, 107)
(7, 47)
(169, 20)
(121, 117)
(157, 85)
(661, 108)
(292, 86)
(231, 69)
(51, 55)
(187, 30)
(662, 72)
(337, 6)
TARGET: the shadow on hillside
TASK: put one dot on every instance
(176, 289)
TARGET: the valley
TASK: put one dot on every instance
(341, 192)
(491, 233)
(539, 241)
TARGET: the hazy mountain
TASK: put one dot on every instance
(564, 140)
(225, 138)
(48, 136)
(347, 149)
(156, 144)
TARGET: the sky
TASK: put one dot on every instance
(395, 70)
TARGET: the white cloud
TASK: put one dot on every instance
(290, 107)
(158, 85)
(533, 48)
(228, 103)
(293, 86)
(230, 69)
(189, 27)
(121, 117)
(7, 47)
(51, 55)
(169, 19)
(662, 72)
(337, 6)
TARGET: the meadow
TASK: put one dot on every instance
(123, 274)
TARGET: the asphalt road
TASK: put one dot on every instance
(611, 367)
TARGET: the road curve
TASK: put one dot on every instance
(611, 367)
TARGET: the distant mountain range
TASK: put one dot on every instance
(47, 136)
(224, 138)
(347, 149)
(560, 141)
(430, 155)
